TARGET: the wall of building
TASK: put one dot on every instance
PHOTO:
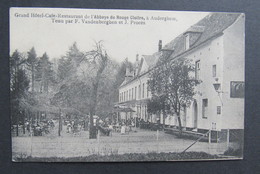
(234, 70)
(138, 105)
(226, 52)
(208, 55)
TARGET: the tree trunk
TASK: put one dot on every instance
(60, 123)
(92, 128)
(164, 116)
(17, 122)
(23, 122)
(180, 126)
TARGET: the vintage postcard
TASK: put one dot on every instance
(91, 85)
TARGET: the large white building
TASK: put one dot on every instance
(216, 47)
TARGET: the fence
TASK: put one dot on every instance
(142, 141)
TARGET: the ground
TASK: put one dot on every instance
(78, 145)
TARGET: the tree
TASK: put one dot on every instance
(68, 64)
(62, 71)
(19, 86)
(14, 61)
(87, 82)
(107, 89)
(98, 59)
(44, 73)
(75, 55)
(32, 63)
(158, 105)
(72, 90)
(173, 80)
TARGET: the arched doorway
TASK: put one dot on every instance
(195, 114)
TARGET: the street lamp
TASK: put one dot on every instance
(216, 86)
(217, 89)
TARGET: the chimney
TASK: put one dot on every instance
(160, 45)
(128, 74)
(137, 57)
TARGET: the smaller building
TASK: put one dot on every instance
(133, 92)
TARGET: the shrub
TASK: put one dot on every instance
(152, 156)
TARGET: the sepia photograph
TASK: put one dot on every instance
(96, 85)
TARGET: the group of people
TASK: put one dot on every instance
(107, 125)
(38, 128)
(74, 126)
(138, 123)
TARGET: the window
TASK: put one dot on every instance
(132, 93)
(143, 90)
(147, 90)
(237, 89)
(145, 112)
(186, 42)
(204, 108)
(139, 91)
(214, 70)
(197, 70)
(214, 126)
(129, 94)
(218, 110)
(135, 92)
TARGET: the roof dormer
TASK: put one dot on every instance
(192, 35)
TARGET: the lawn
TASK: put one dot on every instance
(137, 145)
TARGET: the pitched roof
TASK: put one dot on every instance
(205, 29)
(151, 59)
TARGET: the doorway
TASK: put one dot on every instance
(195, 114)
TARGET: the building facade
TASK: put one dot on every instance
(133, 92)
(215, 45)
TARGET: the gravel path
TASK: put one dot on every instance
(75, 145)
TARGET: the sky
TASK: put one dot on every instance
(48, 32)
